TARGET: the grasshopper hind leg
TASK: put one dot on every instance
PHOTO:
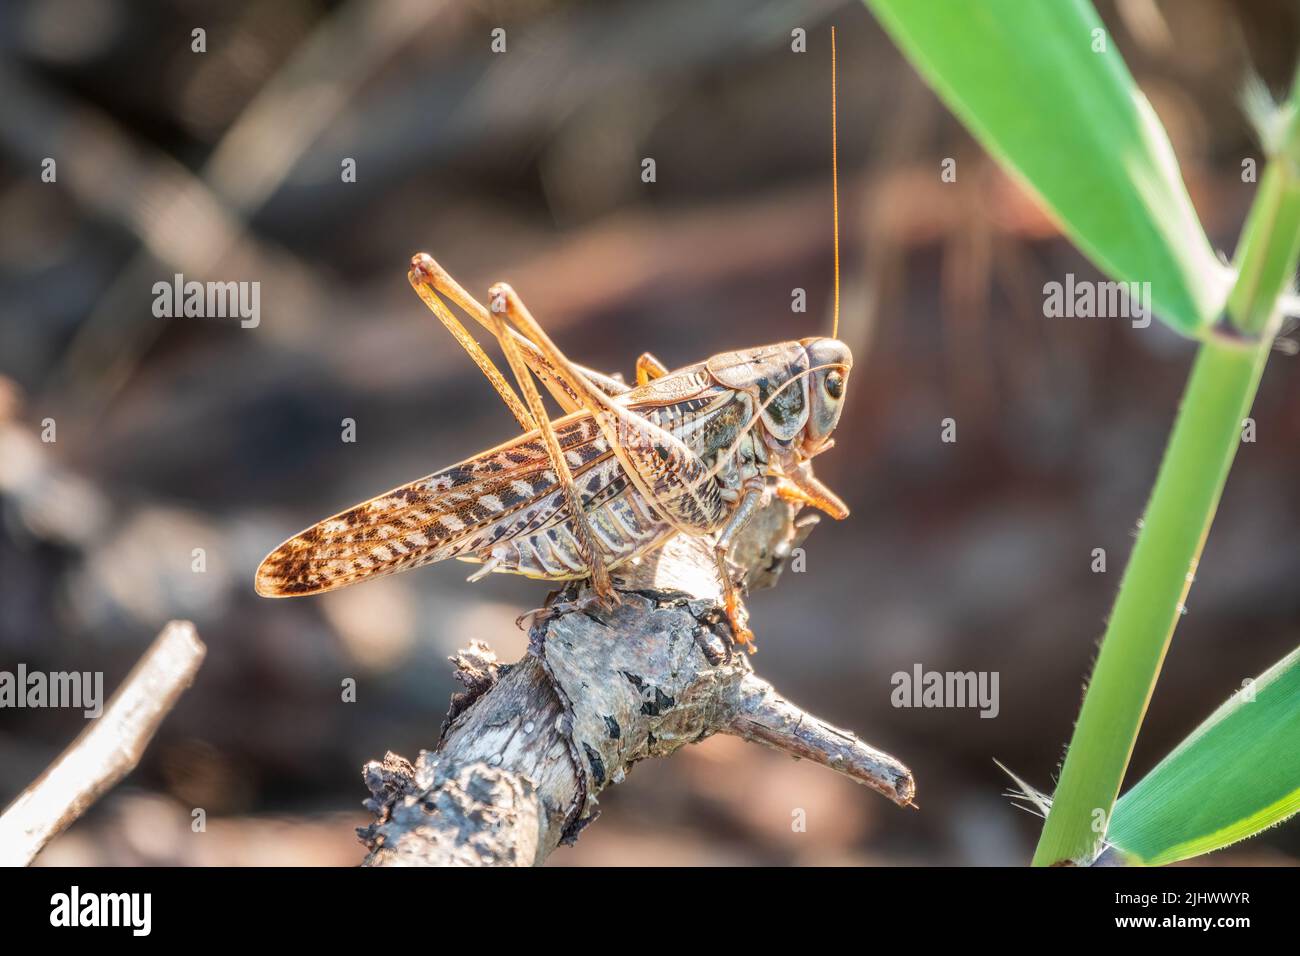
(506, 303)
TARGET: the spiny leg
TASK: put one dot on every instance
(649, 368)
(434, 278)
(660, 466)
(586, 536)
(470, 345)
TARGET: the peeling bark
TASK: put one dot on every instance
(527, 748)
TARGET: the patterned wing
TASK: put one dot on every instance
(454, 511)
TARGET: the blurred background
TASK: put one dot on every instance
(177, 434)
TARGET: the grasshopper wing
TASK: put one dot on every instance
(487, 498)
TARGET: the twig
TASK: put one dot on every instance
(767, 718)
(529, 746)
(107, 750)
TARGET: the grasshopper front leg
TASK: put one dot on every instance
(802, 487)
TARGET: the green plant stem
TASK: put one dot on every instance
(1270, 245)
(1205, 438)
(1156, 581)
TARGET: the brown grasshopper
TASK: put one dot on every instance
(691, 451)
(687, 452)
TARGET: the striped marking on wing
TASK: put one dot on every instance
(431, 519)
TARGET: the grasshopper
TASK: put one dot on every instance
(692, 451)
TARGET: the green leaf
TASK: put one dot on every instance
(1237, 774)
(1071, 124)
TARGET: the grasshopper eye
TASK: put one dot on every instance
(834, 383)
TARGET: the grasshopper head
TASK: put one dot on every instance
(829, 361)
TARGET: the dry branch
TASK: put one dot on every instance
(527, 747)
(107, 750)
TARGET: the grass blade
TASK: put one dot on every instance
(1237, 774)
(1072, 125)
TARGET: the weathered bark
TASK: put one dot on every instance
(527, 747)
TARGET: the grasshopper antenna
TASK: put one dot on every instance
(835, 195)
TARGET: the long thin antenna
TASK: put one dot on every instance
(835, 193)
